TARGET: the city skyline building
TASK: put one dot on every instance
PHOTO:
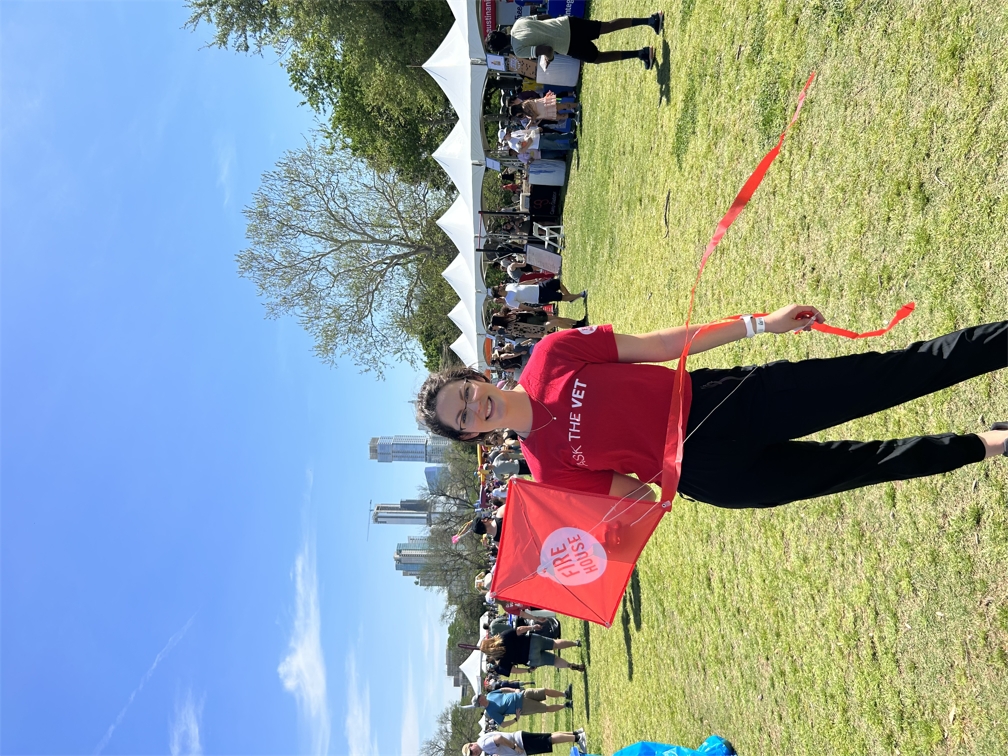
(410, 557)
(406, 512)
(408, 448)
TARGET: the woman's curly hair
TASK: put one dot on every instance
(427, 402)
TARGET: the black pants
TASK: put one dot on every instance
(741, 453)
(536, 742)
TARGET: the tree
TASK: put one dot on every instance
(347, 250)
(357, 64)
(429, 323)
(455, 726)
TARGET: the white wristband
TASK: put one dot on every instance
(749, 332)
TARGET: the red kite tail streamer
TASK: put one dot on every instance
(901, 313)
(672, 467)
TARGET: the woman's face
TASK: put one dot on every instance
(471, 406)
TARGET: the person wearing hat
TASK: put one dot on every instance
(497, 704)
(490, 524)
(519, 743)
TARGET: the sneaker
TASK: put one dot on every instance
(581, 740)
(584, 294)
(569, 693)
(647, 56)
(580, 323)
(577, 643)
(568, 704)
(657, 21)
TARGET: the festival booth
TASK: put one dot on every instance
(460, 67)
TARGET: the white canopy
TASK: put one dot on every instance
(466, 12)
(471, 668)
(459, 68)
(462, 223)
(462, 79)
(471, 290)
(467, 175)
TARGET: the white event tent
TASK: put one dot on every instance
(459, 68)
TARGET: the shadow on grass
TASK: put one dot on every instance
(586, 640)
(635, 599)
(665, 74)
(625, 621)
(685, 126)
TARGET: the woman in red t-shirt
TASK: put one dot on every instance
(590, 415)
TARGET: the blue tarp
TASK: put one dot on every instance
(713, 746)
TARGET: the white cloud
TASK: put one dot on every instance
(410, 731)
(303, 670)
(224, 153)
(184, 737)
(438, 689)
(357, 725)
(143, 681)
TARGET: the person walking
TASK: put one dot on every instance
(522, 742)
(535, 36)
(504, 701)
(523, 646)
(544, 292)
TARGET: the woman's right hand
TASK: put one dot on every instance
(793, 318)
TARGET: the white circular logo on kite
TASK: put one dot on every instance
(587, 329)
(572, 556)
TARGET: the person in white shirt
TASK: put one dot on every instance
(538, 293)
(543, 37)
(520, 743)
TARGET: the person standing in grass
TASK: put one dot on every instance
(504, 701)
(542, 36)
(518, 743)
(590, 414)
(523, 646)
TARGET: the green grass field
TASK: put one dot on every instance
(868, 623)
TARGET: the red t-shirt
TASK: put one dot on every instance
(610, 416)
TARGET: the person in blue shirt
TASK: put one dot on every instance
(504, 701)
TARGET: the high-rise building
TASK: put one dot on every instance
(435, 475)
(406, 512)
(404, 448)
(411, 556)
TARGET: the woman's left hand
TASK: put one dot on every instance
(793, 318)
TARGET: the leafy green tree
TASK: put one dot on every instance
(455, 727)
(347, 249)
(357, 64)
(428, 322)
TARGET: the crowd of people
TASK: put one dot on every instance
(516, 639)
(525, 312)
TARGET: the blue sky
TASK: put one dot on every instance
(184, 486)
